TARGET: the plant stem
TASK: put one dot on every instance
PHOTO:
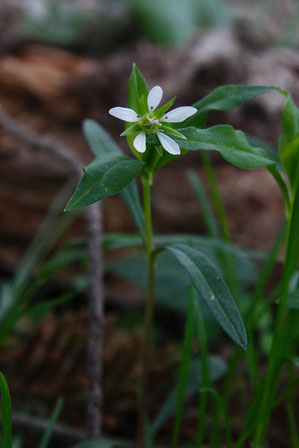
(146, 349)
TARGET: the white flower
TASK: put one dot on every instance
(152, 123)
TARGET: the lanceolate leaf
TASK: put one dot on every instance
(211, 288)
(232, 145)
(225, 98)
(290, 123)
(233, 95)
(101, 143)
(289, 141)
(137, 89)
(292, 250)
(98, 139)
(107, 175)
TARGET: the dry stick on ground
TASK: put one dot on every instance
(95, 286)
(36, 427)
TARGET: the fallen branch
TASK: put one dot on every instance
(36, 427)
(95, 288)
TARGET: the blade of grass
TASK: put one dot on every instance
(205, 378)
(266, 271)
(252, 315)
(207, 212)
(231, 267)
(221, 410)
(22, 288)
(292, 426)
(185, 364)
(54, 417)
(6, 432)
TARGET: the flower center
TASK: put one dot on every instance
(149, 123)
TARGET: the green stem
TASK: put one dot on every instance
(146, 349)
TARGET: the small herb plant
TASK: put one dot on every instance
(156, 136)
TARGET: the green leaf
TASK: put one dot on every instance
(290, 123)
(217, 369)
(290, 160)
(205, 207)
(6, 433)
(211, 288)
(130, 197)
(171, 282)
(107, 175)
(131, 130)
(121, 240)
(292, 250)
(137, 100)
(54, 417)
(161, 111)
(230, 96)
(225, 98)
(289, 141)
(137, 89)
(232, 145)
(100, 143)
(98, 139)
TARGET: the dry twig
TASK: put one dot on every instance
(36, 427)
(95, 289)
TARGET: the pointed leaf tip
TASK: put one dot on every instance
(211, 288)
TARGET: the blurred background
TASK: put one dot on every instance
(62, 61)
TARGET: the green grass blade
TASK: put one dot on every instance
(184, 369)
(267, 270)
(6, 432)
(203, 201)
(229, 260)
(54, 417)
(205, 372)
(292, 426)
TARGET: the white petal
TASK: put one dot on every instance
(139, 142)
(124, 113)
(154, 97)
(179, 114)
(168, 144)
